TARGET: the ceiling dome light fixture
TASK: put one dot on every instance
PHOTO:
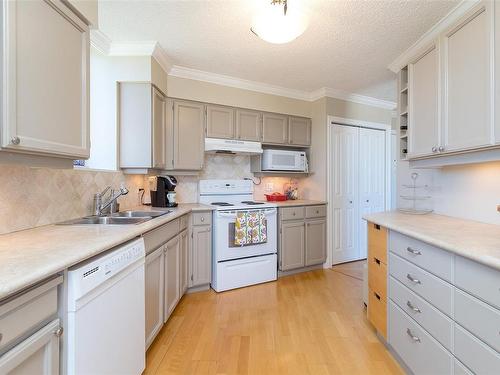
(280, 21)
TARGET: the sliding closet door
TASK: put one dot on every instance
(345, 172)
(371, 179)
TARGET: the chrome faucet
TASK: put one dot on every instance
(100, 206)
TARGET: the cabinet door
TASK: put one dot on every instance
(467, 82)
(184, 249)
(45, 94)
(220, 122)
(424, 127)
(154, 282)
(292, 245)
(159, 128)
(299, 131)
(201, 260)
(248, 125)
(38, 354)
(315, 242)
(172, 275)
(189, 148)
(274, 128)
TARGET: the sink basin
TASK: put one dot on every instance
(107, 220)
(141, 213)
(119, 218)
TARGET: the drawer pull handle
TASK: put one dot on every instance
(377, 260)
(377, 296)
(413, 251)
(414, 308)
(410, 333)
(376, 226)
(412, 279)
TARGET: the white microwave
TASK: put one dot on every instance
(284, 160)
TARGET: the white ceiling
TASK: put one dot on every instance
(347, 46)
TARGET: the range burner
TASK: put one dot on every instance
(225, 204)
(252, 203)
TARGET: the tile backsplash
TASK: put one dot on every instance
(32, 197)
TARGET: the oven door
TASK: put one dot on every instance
(224, 236)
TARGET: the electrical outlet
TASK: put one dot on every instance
(269, 187)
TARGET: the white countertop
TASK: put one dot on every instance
(297, 202)
(471, 239)
(29, 256)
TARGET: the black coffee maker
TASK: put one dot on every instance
(164, 196)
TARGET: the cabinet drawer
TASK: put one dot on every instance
(430, 318)
(24, 314)
(430, 258)
(479, 318)
(377, 312)
(157, 237)
(292, 213)
(315, 211)
(479, 280)
(477, 356)
(202, 218)
(377, 242)
(419, 350)
(183, 222)
(377, 277)
(434, 290)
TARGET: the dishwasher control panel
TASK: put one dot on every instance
(91, 274)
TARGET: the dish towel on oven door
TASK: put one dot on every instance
(250, 228)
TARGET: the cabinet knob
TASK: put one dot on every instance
(441, 148)
(59, 331)
(293, 214)
(434, 149)
(202, 219)
(350, 202)
(15, 140)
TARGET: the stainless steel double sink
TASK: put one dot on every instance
(119, 218)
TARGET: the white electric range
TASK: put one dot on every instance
(235, 266)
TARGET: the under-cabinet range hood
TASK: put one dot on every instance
(231, 146)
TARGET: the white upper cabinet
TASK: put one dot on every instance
(468, 81)
(220, 122)
(45, 93)
(451, 91)
(424, 129)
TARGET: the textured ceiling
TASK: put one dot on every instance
(347, 46)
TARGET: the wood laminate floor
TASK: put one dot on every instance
(309, 323)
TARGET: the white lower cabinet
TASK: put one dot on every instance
(419, 350)
(154, 281)
(438, 326)
(201, 256)
(184, 264)
(38, 354)
(172, 279)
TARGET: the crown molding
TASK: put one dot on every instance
(224, 80)
(152, 48)
(358, 98)
(431, 35)
(100, 41)
(163, 59)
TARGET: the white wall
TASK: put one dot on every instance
(105, 72)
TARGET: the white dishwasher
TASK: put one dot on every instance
(105, 322)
